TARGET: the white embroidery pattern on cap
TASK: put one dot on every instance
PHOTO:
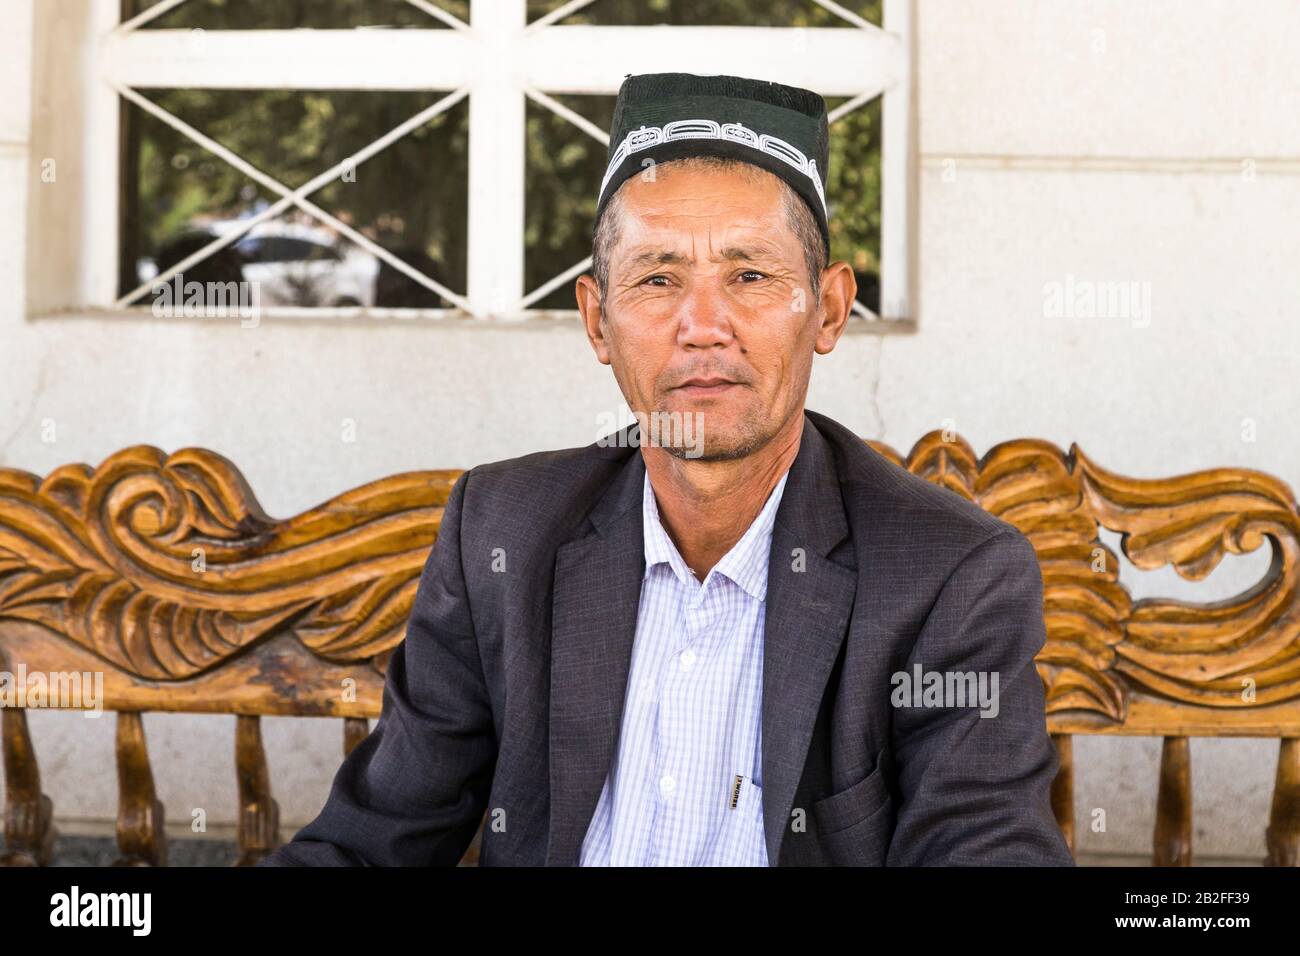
(647, 136)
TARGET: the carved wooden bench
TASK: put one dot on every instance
(163, 573)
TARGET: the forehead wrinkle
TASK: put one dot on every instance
(728, 254)
(656, 236)
(747, 248)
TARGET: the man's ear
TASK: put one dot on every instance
(839, 289)
(589, 305)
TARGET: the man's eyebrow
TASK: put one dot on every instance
(731, 253)
(749, 254)
(656, 258)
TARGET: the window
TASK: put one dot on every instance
(417, 158)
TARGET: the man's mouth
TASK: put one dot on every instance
(706, 387)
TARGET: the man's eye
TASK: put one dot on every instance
(653, 278)
(754, 272)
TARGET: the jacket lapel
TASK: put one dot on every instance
(597, 594)
(807, 610)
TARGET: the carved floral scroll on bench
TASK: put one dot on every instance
(163, 573)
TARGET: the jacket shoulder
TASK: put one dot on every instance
(885, 494)
(547, 492)
(557, 465)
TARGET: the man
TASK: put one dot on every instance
(696, 643)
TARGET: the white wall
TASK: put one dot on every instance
(1043, 154)
(1112, 164)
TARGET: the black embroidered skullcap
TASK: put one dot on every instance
(663, 116)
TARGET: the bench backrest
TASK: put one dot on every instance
(162, 574)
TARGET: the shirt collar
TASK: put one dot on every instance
(746, 562)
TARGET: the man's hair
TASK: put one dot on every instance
(798, 215)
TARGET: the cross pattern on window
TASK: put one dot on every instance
(499, 60)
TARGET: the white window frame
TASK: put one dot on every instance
(497, 60)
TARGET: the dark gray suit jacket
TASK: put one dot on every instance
(507, 693)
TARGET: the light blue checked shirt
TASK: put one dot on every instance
(685, 787)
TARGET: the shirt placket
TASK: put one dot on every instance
(677, 729)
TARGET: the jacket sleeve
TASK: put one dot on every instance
(975, 781)
(414, 791)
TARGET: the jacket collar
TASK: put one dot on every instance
(597, 591)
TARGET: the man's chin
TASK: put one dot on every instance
(706, 430)
(718, 445)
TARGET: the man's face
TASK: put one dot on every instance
(709, 307)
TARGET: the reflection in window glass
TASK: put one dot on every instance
(410, 198)
(296, 263)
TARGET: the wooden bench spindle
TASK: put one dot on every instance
(29, 814)
(355, 730)
(1283, 834)
(140, 815)
(1173, 836)
(258, 832)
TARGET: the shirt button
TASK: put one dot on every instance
(667, 785)
(646, 685)
(688, 659)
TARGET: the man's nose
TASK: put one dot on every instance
(703, 317)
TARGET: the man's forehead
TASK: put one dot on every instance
(689, 238)
(671, 250)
